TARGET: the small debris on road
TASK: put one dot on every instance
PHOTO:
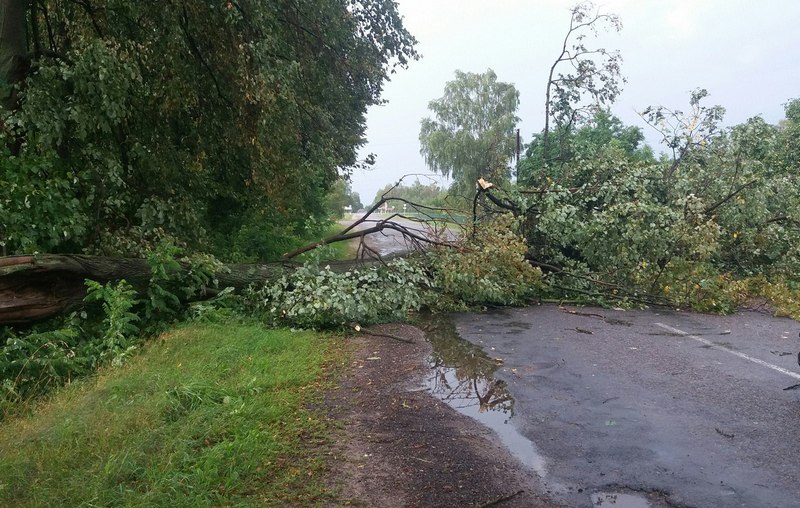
(724, 434)
(578, 313)
(621, 322)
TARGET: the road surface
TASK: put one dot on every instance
(650, 408)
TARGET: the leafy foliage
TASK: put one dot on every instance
(137, 124)
(489, 268)
(681, 230)
(314, 297)
(119, 329)
(587, 140)
(170, 285)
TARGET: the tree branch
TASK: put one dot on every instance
(184, 24)
(727, 198)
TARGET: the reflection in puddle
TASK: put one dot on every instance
(462, 376)
(617, 500)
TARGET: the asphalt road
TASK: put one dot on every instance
(652, 408)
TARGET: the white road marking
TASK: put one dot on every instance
(735, 353)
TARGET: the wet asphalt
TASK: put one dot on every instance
(651, 408)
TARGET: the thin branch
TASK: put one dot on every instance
(730, 196)
(369, 331)
(350, 232)
(379, 227)
(502, 499)
(90, 11)
(184, 24)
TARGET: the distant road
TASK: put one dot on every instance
(689, 409)
(387, 241)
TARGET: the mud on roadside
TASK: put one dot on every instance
(401, 447)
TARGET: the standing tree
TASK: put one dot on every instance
(591, 77)
(472, 134)
(339, 196)
(588, 137)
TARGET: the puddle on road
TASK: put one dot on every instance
(462, 376)
(618, 500)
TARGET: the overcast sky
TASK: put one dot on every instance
(745, 53)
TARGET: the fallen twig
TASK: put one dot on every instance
(369, 331)
(501, 499)
(724, 434)
(578, 313)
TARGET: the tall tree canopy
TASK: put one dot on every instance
(135, 122)
(472, 132)
(588, 138)
(581, 78)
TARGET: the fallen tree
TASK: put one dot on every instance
(36, 287)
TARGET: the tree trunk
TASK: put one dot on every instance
(42, 286)
(37, 287)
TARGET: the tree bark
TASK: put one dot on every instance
(38, 287)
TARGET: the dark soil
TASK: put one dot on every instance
(399, 446)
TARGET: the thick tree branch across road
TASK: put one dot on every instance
(37, 287)
(41, 286)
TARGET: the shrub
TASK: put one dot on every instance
(488, 268)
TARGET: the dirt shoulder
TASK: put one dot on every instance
(399, 446)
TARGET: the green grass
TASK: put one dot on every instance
(206, 415)
(340, 250)
(337, 251)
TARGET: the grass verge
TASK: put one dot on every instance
(206, 415)
(337, 251)
(341, 250)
